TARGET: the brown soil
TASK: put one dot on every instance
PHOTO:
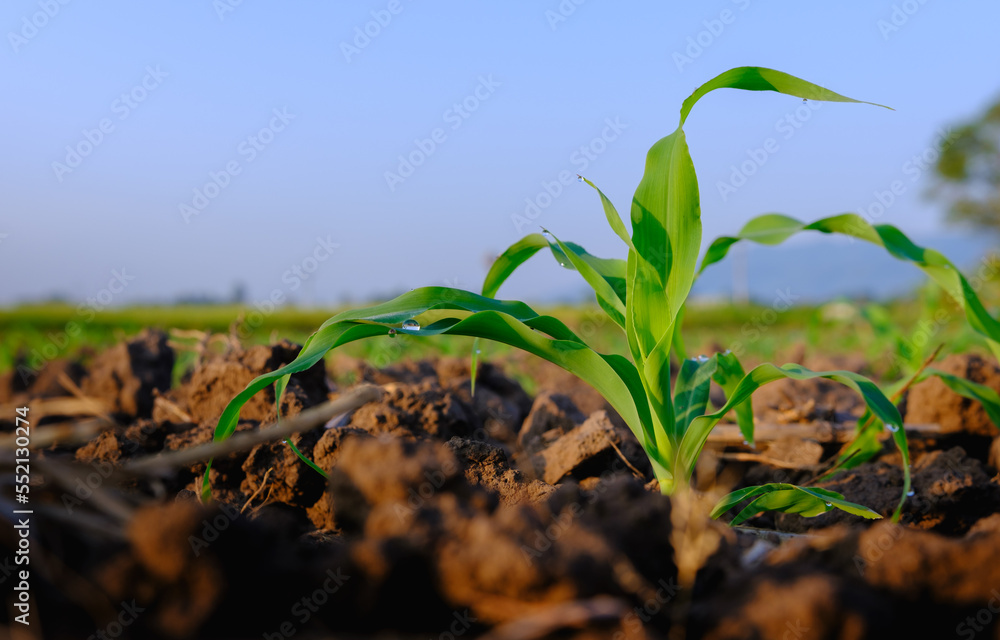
(449, 514)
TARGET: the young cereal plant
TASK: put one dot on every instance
(644, 296)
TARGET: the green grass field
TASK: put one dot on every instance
(38, 333)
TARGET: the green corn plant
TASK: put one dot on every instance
(644, 296)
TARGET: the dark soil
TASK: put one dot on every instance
(499, 514)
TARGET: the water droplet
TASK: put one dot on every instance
(804, 100)
(579, 177)
(746, 442)
(892, 427)
(479, 350)
(829, 504)
(392, 333)
(410, 325)
(548, 236)
(702, 358)
(911, 493)
(562, 264)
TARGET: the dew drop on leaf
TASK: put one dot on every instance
(829, 504)
(579, 178)
(911, 493)
(892, 427)
(392, 333)
(410, 325)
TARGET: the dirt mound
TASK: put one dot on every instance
(210, 387)
(127, 376)
(931, 401)
(887, 581)
(452, 513)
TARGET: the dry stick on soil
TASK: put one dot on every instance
(759, 457)
(621, 455)
(99, 498)
(63, 433)
(894, 399)
(67, 383)
(575, 614)
(308, 419)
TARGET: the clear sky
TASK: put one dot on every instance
(286, 118)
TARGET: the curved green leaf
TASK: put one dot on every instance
(607, 297)
(763, 79)
(775, 228)
(614, 220)
(438, 311)
(788, 498)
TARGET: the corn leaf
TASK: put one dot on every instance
(697, 434)
(788, 498)
(773, 228)
(691, 391)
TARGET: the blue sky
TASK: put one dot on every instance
(286, 121)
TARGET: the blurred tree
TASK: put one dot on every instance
(968, 172)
